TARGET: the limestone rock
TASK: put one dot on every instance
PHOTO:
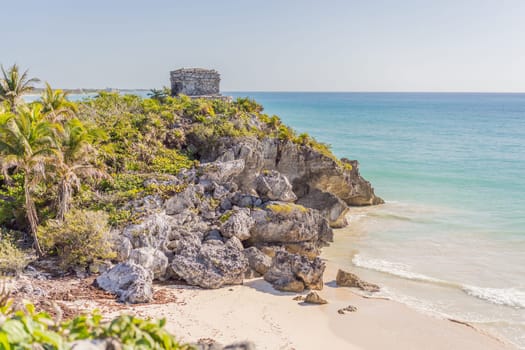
(257, 260)
(212, 265)
(155, 231)
(287, 222)
(298, 229)
(289, 285)
(212, 345)
(122, 246)
(151, 203)
(235, 243)
(347, 279)
(214, 235)
(245, 345)
(246, 200)
(221, 172)
(306, 168)
(151, 259)
(181, 201)
(138, 292)
(238, 224)
(129, 281)
(272, 185)
(314, 298)
(226, 204)
(332, 207)
(293, 272)
(349, 308)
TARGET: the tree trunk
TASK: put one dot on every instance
(32, 216)
(64, 196)
(12, 104)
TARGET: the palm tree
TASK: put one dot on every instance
(14, 85)
(76, 161)
(56, 105)
(27, 145)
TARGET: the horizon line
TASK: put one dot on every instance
(310, 91)
(378, 91)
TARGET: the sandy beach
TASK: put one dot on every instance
(273, 320)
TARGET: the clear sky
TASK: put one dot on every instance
(270, 45)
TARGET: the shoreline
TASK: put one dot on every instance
(273, 320)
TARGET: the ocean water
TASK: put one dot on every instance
(450, 240)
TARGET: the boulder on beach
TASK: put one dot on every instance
(347, 279)
(294, 273)
(211, 264)
(132, 283)
(314, 298)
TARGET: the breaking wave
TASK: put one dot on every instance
(501, 296)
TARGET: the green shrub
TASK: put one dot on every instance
(78, 240)
(12, 259)
(170, 161)
(12, 201)
(246, 104)
(285, 133)
(28, 329)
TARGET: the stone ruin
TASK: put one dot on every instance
(195, 82)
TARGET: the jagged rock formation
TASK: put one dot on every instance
(318, 181)
(254, 206)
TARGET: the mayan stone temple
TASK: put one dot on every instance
(195, 82)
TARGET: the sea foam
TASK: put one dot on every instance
(398, 270)
(501, 296)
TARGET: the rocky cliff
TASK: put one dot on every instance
(319, 181)
(257, 205)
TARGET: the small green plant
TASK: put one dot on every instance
(78, 240)
(224, 217)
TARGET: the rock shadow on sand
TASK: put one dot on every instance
(262, 286)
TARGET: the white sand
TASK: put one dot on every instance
(272, 320)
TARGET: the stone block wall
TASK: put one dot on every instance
(195, 82)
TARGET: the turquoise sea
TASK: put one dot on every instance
(450, 239)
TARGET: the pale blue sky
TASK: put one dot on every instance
(328, 45)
